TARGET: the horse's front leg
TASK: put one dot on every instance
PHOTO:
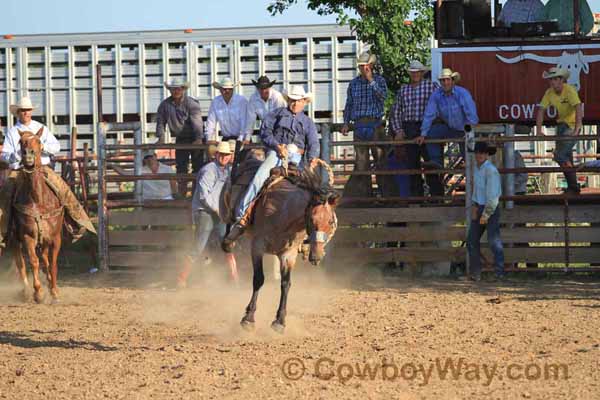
(22, 270)
(55, 249)
(257, 281)
(286, 264)
(29, 244)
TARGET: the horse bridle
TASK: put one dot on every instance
(314, 235)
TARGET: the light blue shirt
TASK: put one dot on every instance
(456, 109)
(210, 181)
(487, 187)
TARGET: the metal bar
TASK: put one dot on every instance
(462, 171)
(469, 168)
(149, 177)
(509, 163)
(325, 143)
(137, 166)
(567, 255)
(576, 21)
(490, 140)
(102, 211)
(99, 97)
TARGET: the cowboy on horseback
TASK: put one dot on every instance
(288, 134)
(11, 156)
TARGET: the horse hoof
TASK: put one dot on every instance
(277, 327)
(246, 325)
(38, 297)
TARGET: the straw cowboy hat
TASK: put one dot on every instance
(177, 83)
(225, 83)
(148, 153)
(448, 73)
(224, 148)
(296, 92)
(23, 104)
(556, 72)
(263, 82)
(417, 66)
(366, 58)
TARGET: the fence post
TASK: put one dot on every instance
(326, 143)
(469, 145)
(509, 162)
(102, 210)
(137, 165)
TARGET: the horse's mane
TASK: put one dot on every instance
(318, 178)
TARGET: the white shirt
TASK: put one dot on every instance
(258, 107)
(230, 117)
(158, 189)
(11, 151)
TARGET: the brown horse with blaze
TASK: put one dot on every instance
(38, 218)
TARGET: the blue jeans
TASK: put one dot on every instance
(494, 241)
(442, 131)
(205, 222)
(263, 173)
(564, 149)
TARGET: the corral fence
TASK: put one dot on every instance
(541, 232)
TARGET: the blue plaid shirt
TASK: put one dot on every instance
(365, 99)
(456, 109)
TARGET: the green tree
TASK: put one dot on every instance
(381, 23)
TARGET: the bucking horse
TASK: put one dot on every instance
(38, 218)
(285, 213)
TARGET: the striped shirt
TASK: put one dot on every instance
(365, 99)
(410, 103)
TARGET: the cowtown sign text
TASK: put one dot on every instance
(507, 84)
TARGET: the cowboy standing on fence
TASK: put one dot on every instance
(11, 155)
(205, 209)
(364, 107)
(264, 100)
(288, 134)
(184, 116)
(449, 110)
(564, 98)
(485, 213)
(229, 111)
(406, 117)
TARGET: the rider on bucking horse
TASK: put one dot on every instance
(281, 128)
(11, 156)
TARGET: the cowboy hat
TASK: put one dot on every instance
(225, 83)
(483, 147)
(263, 82)
(366, 58)
(23, 104)
(148, 153)
(556, 72)
(448, 73)
(417, 66)
(296, 92)
(224, 148)
(176, 83)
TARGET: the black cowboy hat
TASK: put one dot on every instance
(263, 82)
(483, 147)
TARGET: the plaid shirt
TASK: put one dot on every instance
(410, 103)
(521, 11)
(365, 99)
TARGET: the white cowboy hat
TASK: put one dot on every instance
(225, 83)
(224, 148)
(296, 92)
(177, 83)
(448, 73)
(23, 104)
(366, 58)
(148, 153)
(417, 66)
(555, 72)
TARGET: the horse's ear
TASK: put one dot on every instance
(334, 199)
(20, 133)
(39, 132)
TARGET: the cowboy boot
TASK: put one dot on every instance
(238, 229)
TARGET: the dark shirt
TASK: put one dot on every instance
(184, 120)
(281, 126)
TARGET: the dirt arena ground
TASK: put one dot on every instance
(349, 335)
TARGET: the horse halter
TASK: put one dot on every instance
(315, 235)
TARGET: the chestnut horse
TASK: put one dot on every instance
(283, 216)
(38, 218)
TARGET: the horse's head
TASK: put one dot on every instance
(31, 149)
(321, 223)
